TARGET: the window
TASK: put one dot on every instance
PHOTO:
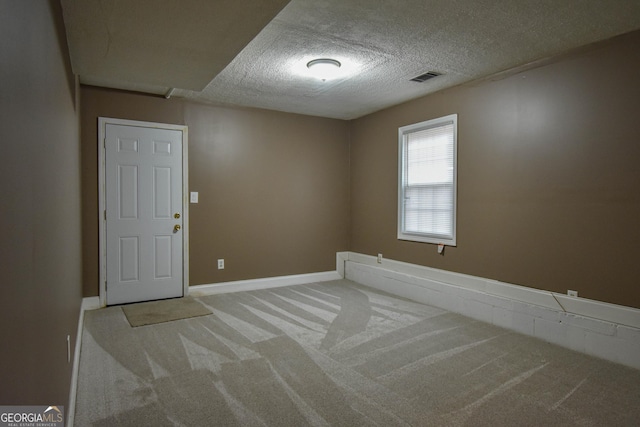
(427, 181)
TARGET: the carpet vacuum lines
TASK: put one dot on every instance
(337, 354)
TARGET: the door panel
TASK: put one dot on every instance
(162, 193)
(162, 259)
(129, 259)
(128, 191)
(143, 187)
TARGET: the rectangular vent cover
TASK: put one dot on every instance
(426, 76)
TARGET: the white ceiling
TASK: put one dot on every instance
(253, 52)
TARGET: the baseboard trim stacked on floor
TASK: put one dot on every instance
(608, 331)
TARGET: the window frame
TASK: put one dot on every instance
(403, 132)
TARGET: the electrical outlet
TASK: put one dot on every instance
(572, 293)
(379, 258)
(221, 264)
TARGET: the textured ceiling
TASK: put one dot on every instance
(246, 53)
(150, 45)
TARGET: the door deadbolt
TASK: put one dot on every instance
(176, 215)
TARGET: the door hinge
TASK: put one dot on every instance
(104, 143)
(105, 214)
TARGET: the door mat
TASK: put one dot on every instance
(150, 313)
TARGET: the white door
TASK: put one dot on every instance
(143, 203)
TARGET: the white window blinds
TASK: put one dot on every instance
(427, 181)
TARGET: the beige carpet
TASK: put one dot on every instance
(150, 313)
(338, 354)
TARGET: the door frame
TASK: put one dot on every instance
(102, 130)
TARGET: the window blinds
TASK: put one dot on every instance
(428, 181)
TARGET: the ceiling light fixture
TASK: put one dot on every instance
(324, 68)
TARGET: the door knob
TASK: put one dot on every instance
(176, 228)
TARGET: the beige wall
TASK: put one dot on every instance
(548, 176)
(274, 193)
(548, 187)
(40, 214)
(273, 187)
(123, 105)
(548, 180)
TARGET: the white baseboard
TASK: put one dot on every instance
(90, 303)
(596, 328)
(93, 303)
(266, 283)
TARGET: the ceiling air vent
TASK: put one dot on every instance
(426, 76)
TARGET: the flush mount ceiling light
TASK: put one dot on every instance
(324, 68)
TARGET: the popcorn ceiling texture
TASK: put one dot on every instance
(388, 43)
(151, 46)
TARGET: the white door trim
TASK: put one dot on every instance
(102, 125)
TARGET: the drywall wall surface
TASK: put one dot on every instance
(273, 193)
(273, 187)
(96, 103)
(41, 269)
(548, 176)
